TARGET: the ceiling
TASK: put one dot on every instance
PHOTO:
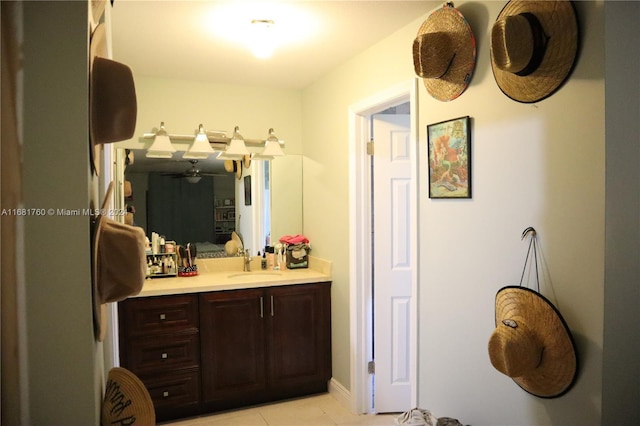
(202, 40)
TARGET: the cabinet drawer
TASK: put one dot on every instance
(147, 315)
(164, 353)
(174, 390)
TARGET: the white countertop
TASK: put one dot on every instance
(228, 274)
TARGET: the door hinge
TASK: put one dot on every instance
(370, 147)
(371, 367)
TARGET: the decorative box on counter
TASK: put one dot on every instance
(297, 256)
(188, 271)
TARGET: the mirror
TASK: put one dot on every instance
(205, 212)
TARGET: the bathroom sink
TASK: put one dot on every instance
(256, 275)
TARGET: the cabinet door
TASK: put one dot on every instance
(232, 344)
(299, 338)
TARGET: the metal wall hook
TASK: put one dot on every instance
(532, 243)
(529, 230)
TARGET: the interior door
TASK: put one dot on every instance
(393, 265)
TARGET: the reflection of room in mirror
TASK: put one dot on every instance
(167, 200)
(276, 196)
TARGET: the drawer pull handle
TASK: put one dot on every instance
(261, 307)
(164, 355)
(163, 317)
(273, 313)
(165, 394)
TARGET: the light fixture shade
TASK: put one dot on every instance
(193, 179)
(161, 146)
(262, 38)
(271, 149)
(236, 150)
(200, 148)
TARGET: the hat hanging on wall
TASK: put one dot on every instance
(118, 263)
(96, 10)
(532, 343)
(444, 53)
(112, 97)
(126, 400)
(534, 45)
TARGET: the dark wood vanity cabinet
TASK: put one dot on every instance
(264, 344)
(160, 343)
(253, 346)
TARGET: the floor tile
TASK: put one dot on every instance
(317, 410)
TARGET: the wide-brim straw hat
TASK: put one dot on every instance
(532, 343)
(534, 45)
(126, 400)
(444, 53)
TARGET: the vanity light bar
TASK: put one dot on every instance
(217, 139)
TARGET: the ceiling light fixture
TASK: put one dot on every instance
(271, 149)
(236, 150)
(161, 146)
(262, 41)
(200, 148)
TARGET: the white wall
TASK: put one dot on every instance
(539, 165)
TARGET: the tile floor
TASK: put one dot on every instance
(317, 410)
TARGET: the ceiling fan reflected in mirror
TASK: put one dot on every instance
(192, 175)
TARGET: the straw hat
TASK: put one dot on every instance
(126, 400)
(532, 344)
(112, 97)
(444, 53)
(533, 48)
(118, 264)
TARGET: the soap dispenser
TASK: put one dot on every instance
(263, 260)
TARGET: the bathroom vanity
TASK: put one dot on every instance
(227, 338)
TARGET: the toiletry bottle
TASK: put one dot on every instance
(270, 257)
(276, 262)
(263, 261)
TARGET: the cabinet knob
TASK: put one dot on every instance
(164, 355)
(163, 317)
(165, 394)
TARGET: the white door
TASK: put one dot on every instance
(393, 262)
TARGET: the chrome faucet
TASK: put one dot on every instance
(247, 261)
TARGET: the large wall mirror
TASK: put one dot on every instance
(260, 202)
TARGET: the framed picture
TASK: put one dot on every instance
(449, 144)
(247, 190)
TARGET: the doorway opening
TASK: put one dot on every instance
(378, 254)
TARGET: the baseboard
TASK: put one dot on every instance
(340, 393)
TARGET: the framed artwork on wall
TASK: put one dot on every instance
(449, 156)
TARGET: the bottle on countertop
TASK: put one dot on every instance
(270, 257)
(263, 260)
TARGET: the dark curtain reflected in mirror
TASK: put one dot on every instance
(179, 210)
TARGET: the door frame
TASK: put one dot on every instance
(360, 277)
